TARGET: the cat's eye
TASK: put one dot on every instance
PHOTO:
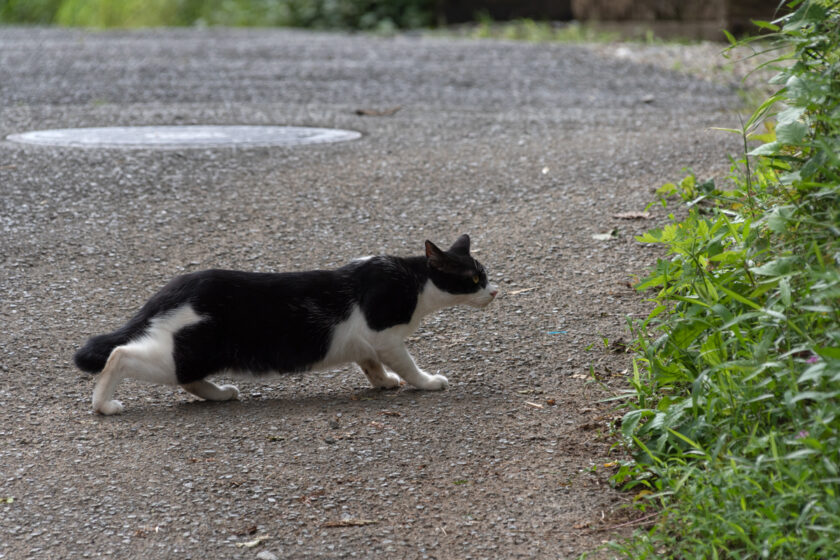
(475, 279)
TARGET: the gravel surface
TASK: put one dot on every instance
(531, 149)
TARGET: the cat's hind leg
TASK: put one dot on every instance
(398, 359)
(377, 375)
(106, 384)
(210, 391)
(143, 361)
(148, 358)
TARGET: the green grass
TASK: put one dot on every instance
(733, 420)
(538, 31)
(317, 14)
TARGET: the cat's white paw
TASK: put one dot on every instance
(435, 383)
(389, 381)
(228, 393)
(108, 408)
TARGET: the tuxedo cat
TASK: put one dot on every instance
(218, 321)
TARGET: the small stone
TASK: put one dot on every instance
(266, 555)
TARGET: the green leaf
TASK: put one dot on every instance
(813, 373)
(801, 454)
(791, 133)
(779, 219)
(762, 110)
(769, 149)
(784, 291)
(739, 298)
(829, 352)
(729, 37)
(779, 267)
(814, 396)
(765, 25)
(631, 420)
(737, 131)
(818, 308)
(647, 451)
(791, 114)
(686, 439)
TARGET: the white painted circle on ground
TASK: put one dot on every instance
(188, 136)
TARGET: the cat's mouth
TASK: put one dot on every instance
(488, 298)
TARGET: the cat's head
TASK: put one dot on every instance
(455, 272)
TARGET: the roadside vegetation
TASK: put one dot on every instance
(314, 14)
(734, 419)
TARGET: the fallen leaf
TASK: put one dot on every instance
(632, 215)
(253, 543)
(377, 112)
(611, 464)
(522, 291)
(641, 495)
(582, 525)
(579, 376)
(246, 531)
(377, 425)
(306, 500)
(390, 413)
(612, 234)
(145, 530)
(550, 402)
(350, 523)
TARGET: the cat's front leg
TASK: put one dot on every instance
(377, 375)
(210, 391)
(398, 359)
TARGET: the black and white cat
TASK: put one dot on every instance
(218, 321)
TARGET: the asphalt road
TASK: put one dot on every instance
(529, 148)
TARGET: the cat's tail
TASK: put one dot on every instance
(92, 356)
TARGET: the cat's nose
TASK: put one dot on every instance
(494, 293)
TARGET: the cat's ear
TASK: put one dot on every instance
(461, 245)
(437, 258)
(432, 251)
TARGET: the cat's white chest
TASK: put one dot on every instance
(354, 341)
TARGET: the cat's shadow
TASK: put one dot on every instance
(375, 400)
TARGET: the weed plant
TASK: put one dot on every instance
(735, 418)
